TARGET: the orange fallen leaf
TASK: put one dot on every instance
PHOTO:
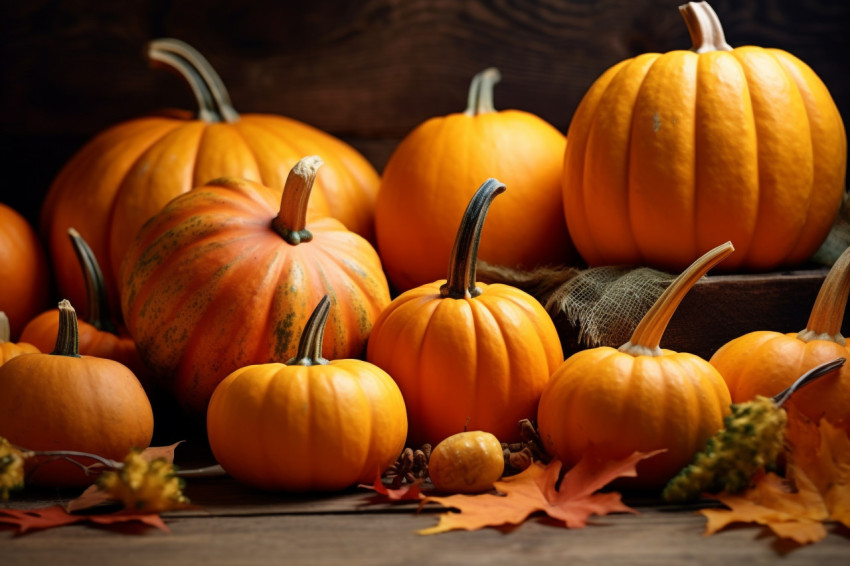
(56, 516)
(407, 492)
(534, 490)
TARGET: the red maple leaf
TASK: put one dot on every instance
(56, 516)
(407, 492)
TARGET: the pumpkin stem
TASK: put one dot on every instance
(5, 328)
(310, 345)
(704, 27)
(647, 335)
(828, 311)
(68, 338)
(291, 221)
(460, 283)
(808, 377)
(480, 100)
(213, 100)
(97, 312)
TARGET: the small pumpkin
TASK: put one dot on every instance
(765, 362)
(225, 275)
(638, 397)
(466, 462)
(24, 276)
(127, 173)
(9, 349)
(464, 352)
(671, 154)
(98, 335)
(432, 174)
(65, 401)
(308, 424)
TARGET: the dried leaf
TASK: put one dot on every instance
(535, 490)
(407, 492)
(56, 516)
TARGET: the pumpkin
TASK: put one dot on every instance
(466, 462)
(98, 335)
(671, 154)
(127, 173)
(638, 397)
(24, 277)
(308, 424)
(226, 274)
(432, 174)
(9, 349)
(765, 362)
(466, 353)
(65, 401)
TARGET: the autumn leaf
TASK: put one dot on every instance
(407, 492)
(534, 490)
(56, 516)
(816, 488)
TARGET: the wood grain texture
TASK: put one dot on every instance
(365, 71)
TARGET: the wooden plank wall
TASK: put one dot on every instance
(366, 71)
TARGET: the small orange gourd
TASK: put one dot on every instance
(309, 424)
(464, 352)
(65, 401)
(432, 174)
(466, 462)
(9, 349)
(225, 276)
(673, 153)
(766, 362)
(638, 397)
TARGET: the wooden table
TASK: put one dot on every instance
(235, 524)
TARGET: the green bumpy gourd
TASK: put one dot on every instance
(752, 438)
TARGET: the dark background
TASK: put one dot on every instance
(365, 71)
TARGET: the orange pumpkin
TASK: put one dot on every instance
(24, 277)
(464, 352)
(638, 397)
(225, 275)
(766, 362)
(9, 349)
(127, 173)
(432, 174)
(671, 154)
(64, 401)
(309, 424)
(98, 334)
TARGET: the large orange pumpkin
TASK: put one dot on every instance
(64, 401)
(765, 362)
(434, 171)
(638, 397)
(466, 354)
(308, 424)
(671, 154)
(24, 276)
(226, 275)
(127, 173)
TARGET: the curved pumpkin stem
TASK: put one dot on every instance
(5, 328)
(213, 99)
(807, 378)
(310, 345)
(480, 100)
(646, 337)
(460, 282)
(97, 313)
(68, 338)
(291, 221)
(704, 27)
(828, 311)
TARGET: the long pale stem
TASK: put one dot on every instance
(704, 27)
(310, 344)
(646, 337)
(291, 221)
(97, 308)
(210, 93)
(480, 100)
(828, 311)
(460, 282)
(5, 328)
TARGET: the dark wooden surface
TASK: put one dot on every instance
(239, 525)
(365, 71)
